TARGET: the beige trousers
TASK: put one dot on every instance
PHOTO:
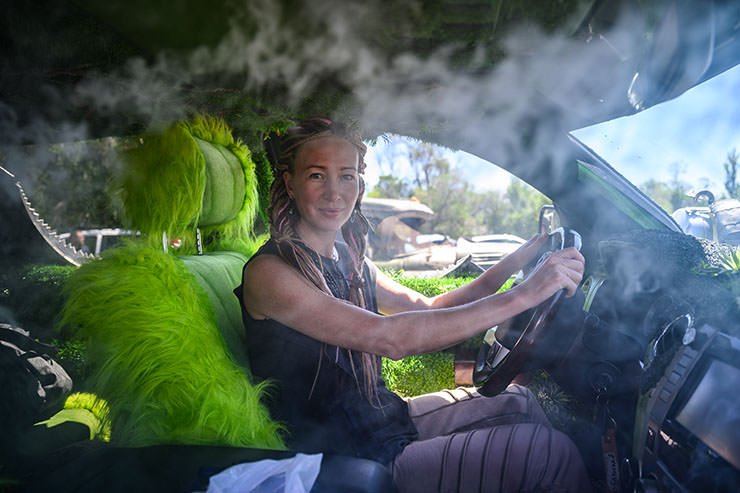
(471, 443)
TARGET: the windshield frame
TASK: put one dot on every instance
(642, 209)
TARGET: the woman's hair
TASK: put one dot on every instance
(284, 216)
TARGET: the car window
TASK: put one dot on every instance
(477, 208)
(680, 146)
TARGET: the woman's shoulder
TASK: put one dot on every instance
(268, 248)
(266, 260)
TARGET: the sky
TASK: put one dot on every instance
(695, 130)
(686, 138)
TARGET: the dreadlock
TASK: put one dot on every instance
(284, 217)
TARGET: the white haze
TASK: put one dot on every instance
(485, 113)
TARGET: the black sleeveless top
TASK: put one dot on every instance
(336, 416)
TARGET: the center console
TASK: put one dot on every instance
(688, 428)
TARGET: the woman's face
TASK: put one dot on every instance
(324, 184)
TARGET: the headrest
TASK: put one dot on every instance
(225, 191)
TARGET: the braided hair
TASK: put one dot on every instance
(284, 217)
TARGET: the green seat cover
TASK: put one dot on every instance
(219, 273)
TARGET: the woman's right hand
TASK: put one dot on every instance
(562, 269)
(527, 252)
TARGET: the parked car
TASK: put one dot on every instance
(486, 250)
(717, 221)
(98, 240)
(395, 242)
(395, 224)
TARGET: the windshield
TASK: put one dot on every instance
(681, 146)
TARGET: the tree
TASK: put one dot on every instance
(434, 182)
(428, 164)
(391, 187)
(459, 210)
(731, 184)
(670, 196)
(70, 184)
(524, 207)
(490, 209)
(450, 198)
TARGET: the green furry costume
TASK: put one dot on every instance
(194, 174)
(152, 319)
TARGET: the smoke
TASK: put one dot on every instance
(544, 79)
(258, 52)
(514, 109)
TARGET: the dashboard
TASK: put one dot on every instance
(659, 342)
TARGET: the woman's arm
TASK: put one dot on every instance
(272, 289)
(395, 298)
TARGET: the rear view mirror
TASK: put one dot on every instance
(548, 220)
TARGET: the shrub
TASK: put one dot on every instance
(432, 286)
(71, 355)
(35, 298)
(419, 374)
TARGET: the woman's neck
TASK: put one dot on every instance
(323, 244)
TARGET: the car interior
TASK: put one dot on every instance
(649, 347)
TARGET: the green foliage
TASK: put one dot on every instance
(670, 196)
(70, 184)
(35, 298)
(449, 197)
(419, 374)
(723, 267)
(471, 345)
(424, 373)
(730, 166)
(432, 286)
(71, 355)
(390, 187)
(263, 172)
(730, 259)
(524, 207)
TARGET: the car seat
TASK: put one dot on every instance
(166, 345)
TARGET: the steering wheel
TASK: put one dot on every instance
(507, 348)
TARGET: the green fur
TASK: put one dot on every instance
(158, 357)
(263, 172)
(162, 184)
(164, 180)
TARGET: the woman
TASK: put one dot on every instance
(312, 310)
